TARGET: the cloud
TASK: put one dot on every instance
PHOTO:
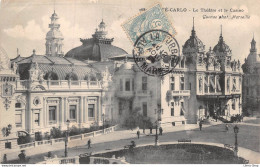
(31, 31)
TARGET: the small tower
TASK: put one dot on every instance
(253, 45)
(101, 32)
(54, 38)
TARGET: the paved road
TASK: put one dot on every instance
(248, 138)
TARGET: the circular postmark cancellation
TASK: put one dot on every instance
(156, 52)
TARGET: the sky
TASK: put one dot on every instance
(24, 23)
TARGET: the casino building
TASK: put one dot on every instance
(98, 80)
(251, 82)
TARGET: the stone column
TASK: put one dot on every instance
(81, 111)
(65, 109)
(61, 122)
(86, 109)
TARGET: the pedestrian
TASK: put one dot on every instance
(22, 156)
(5, 159)
(138, 133)
(151, 130)
(89, 142)
(226, 127)
(160, 131)
(200, 124)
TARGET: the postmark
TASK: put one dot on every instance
(152, 19)
(156, 52)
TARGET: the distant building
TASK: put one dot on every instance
(251, 82)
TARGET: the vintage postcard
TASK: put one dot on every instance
(129, 82)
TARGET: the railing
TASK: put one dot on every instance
(61, 84)
(56, 160)
(76, 137)
(103, 160)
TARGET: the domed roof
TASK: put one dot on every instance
(221, 46)
(193, 44)
(57, 66)
(4, 60)
(54, 33)
(95, 50)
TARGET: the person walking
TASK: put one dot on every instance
(138, 133)
(226, 127)
(151, 130)
(22, 156)
(89, 142)
(5, 159)
(200, 124)
(160, 131)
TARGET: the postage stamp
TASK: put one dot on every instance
(156, 52)
(152, 19)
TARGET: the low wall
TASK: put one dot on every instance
(75, 137)
(102, 160)
(56, 160)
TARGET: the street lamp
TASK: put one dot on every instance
(157, 112)
(236, 129)
(103, 117)
(67, 137)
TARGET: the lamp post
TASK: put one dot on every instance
(103, 117)
(157, 112)
(236, 129)
(67, 137)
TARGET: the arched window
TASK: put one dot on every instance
(18, 105)
(51, 76)
(71, 76)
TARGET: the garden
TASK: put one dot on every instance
(176, 154)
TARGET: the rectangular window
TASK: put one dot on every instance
(182, 108)
(121, 85)
(37, 119)
(73, 112)
(234, 84)
(145, 109)
(172, 108)
(18, 105)
(8, 145)
(18, 120)
(172, 83)
(206, 84)
(181, 83)
(91, 111)
(228, 84)
(212, 84)
(200, 85)
(144, 83)
(233, 104)
(127, 84)
(52, 114)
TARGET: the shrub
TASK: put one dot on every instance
(56, 133)
(74, 131)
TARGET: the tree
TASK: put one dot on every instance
(135, 119)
